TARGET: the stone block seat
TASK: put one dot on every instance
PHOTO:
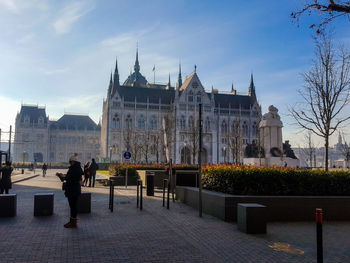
(8, 205)
(84, 203)
(43, 204)
(251, 218)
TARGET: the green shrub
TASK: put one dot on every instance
(120, 169)
(248, 180)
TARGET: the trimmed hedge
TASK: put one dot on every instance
(120, 169)
(249, 180)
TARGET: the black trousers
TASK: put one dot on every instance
(73, 204)
(2, 190)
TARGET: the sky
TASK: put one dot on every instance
(59, 54)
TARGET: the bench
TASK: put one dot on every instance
(251, 218)
(43, 204)
(84, 203)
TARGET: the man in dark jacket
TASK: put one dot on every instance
(93, 168)
(72, 189)
(5, 182)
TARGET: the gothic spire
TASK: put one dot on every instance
(179, 79)
(137, 64)
(251, 86)
(116, 73)
(169, 80)
(110, 87)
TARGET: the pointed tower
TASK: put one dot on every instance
(179, 79)
(110, 87)
(137, 64)
(233, 91)
(168, 86)
(115, 79)
(251, 87)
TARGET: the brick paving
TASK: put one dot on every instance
(152, 235)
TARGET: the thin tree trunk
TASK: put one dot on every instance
(326, 153)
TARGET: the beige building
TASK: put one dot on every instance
(42, 140)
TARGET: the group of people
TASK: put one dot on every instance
(90, 173)
(72, 182)
(5, 178)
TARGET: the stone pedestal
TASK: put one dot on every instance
(43, 204)
(251, 218)
(8, 205)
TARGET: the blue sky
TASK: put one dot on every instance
(59, 54)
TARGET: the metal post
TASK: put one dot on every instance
(319, 219)
(165, 182)
(137, 193)
(168, 196)
(111, 194)
(126, 177)
(9, 157)
(141, 194)
(173, 183)
(200, 161)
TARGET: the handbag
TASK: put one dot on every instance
(64, 186)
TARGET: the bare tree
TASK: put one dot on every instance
(168, 128)
(234, 140)
(325, 93)
(309, 150)
(146, 145)
(193, 139)
(327, 9)
(133, 144)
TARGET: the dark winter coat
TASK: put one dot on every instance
(93, 168)
(6, 177)
(73, 178)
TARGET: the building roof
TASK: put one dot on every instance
(142, 93)
(74, 122)
(135, 78)
(34, 112)
(233, 101)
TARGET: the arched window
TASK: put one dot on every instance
(207, 124)
(128, 122)
(116, 122)
(245, 129)
(190, 96)
(182, 123)
(224, 127)
(235, 129)
(199, 97)
(255, 129)
(26, 119)
(153, 123)
(41, 120)
(141, 122)
(190, 122)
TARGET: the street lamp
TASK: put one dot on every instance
(224, 154)
(110, 154)
(185, 150)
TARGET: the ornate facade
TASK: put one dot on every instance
(39, 139)
(157, 122)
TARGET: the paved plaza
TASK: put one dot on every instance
(154, 234)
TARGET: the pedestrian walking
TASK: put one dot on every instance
(72, 188)
(86, 173)
(93, 168)
(44, 169)
(5, 182)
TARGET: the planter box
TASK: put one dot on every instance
(8, 205)
(278, 208)
(120, 180)
(43, 204)
(159, 176)
(84, 203)
(187, 178)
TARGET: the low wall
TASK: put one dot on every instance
(279, 208)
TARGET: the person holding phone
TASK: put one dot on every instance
(72, 188)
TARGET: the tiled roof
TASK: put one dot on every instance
(141, 94)
(33, 112)
(136, 76)
(74, 122)
(233, 101)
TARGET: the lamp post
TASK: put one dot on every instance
(110, 154)
(185, 150)
(224, 154)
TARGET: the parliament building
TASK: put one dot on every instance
(157, 122)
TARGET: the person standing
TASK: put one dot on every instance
(93, 168)
(5, 182)
(86, 173)
(72, 188)
(44, 169)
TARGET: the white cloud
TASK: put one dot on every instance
(69, 15)
(10, 5)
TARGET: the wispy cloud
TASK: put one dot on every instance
(10, 5)
(71, 14)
